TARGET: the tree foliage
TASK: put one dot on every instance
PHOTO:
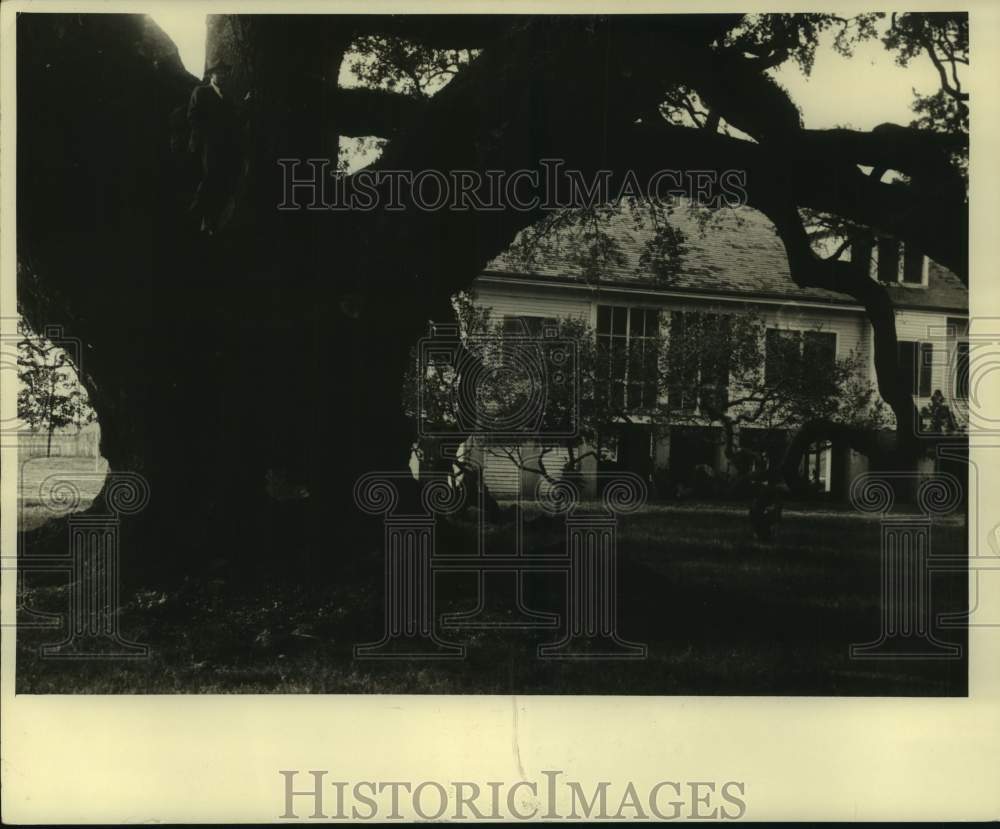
(773, 39)
(407, 67)
(943, 37)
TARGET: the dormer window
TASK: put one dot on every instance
(899, 263)
(887, 260)
(914, 269)
(890, 261)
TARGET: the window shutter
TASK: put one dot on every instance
(962, 371)
(650, 367)
(926, 363)
(674, 351)
(819, 350)
(772, 356)
(604, 319)
(782, 354)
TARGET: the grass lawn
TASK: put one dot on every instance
(720, 613)
(34, 502)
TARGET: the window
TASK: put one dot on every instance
(888, 260)
(815, 466)
(915, 362)
(861, 255)
(714, 383)
(781, 353)
(897, 263)
(819, 350)
(913, 266)
(924, 372)
(962, 370)
(788, 353)
(699, 361)
(628, 345)
(683, 374)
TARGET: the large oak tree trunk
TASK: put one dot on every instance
(209, 361)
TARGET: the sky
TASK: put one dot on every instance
(186, 28)
(859, 92)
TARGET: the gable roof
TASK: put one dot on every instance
(731, 251)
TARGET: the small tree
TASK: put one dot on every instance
(937, 416)
(731, 370)
(50, 396)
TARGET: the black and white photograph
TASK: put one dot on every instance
(565, 353)
(548, 354)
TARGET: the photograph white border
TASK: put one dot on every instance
(186, 758)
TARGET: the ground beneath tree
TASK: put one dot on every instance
(35, 504)
(720, 613)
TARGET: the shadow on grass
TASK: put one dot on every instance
(720, 613)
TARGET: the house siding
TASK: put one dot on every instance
(505, 479)
(918, 326)
(501, 475)
(531, 303)
(850, 326)
(517, 295)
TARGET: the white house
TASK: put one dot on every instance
(735, 260)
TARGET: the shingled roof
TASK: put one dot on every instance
(735, 252)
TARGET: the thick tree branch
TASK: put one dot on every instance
(375, 112)
(809, 270)
(910, 150)
(935, 219)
